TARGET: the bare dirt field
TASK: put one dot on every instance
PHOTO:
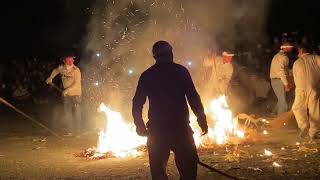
(26, 152)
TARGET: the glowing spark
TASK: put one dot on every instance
(267, 153)
(189, 63)
(275, 164)
(98, 54)
(265, 132)
(130, 71)
(96, 83)
(297, 143)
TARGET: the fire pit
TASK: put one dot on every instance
(119, 139)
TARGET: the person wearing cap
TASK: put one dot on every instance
(71, 80)
(168, 86)
(221, 74)
(279, 76)
(306, 74)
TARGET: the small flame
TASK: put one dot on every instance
(267, 152)
(224, 123)
(222, 128)
(118, 137)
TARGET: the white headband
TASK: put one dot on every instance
(286, 46)
(227, 54)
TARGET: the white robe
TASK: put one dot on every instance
(306, 73)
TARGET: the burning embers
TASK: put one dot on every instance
(223, 127)
(119, 138)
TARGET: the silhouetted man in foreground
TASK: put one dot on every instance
(167, 85)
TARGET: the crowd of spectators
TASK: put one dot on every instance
(257, 56)
(24, 80)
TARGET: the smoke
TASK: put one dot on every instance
(122, 32)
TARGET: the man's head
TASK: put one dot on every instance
(286, 47)
(303, 49)
(227, 57)
(162, 51)
(68, 60)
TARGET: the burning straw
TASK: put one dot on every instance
(119, 139)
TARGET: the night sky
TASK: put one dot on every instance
(50, 28)
(42, 28)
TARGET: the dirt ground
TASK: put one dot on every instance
(26, 152)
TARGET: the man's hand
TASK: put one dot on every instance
(204, 127)
(142, 131)
(49, 81)
(287, 88)
(65, 92)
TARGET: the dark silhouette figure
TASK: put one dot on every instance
(167, 86)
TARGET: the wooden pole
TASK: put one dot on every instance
(217, 171)
(29, 118)
(56, 87)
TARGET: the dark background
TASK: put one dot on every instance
(50, 28)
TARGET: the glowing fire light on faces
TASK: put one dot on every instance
(118, 137)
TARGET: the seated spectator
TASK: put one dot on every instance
(21, 93)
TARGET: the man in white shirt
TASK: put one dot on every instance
(71, 79)
(279, 77)
(306, 73)
(221, 74)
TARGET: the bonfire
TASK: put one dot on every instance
(119, 138)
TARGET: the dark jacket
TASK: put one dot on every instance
(167, 86)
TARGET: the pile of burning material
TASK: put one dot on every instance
(119, 139)
(223, 128)
(251, 121)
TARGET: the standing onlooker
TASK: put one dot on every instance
(306, 73)
(279, 76)
(71, 79)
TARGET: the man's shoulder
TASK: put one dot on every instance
(76, 68)
(156, 68)
(280, 54)
(312, 56)
(297, 62)
(171, 65)
(179, 66)
(149, 70)
(60, 67)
